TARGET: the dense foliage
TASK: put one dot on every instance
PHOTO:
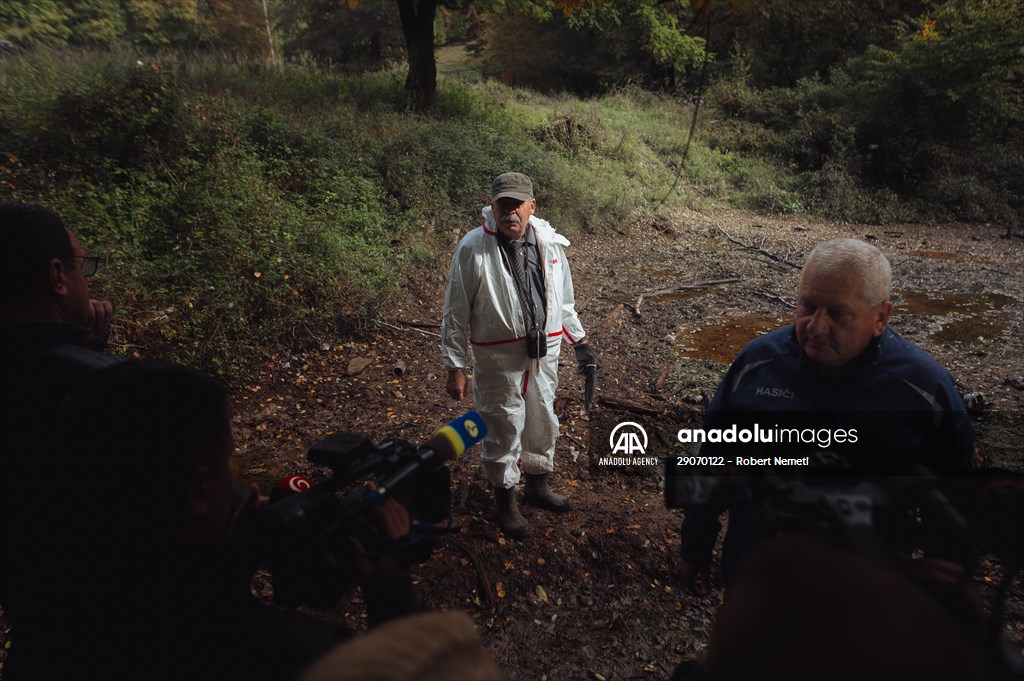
(260, 208)
(236, 27)
(245, 205)
(930, 129)
(219, 218)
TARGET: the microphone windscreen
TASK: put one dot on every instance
(459, 435)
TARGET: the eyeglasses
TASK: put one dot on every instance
(90, 263)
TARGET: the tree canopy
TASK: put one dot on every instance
(237, 27)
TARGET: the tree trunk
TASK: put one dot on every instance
(418, 27)
(270, 36)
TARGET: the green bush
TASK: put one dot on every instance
(131, 116)
(440, 172)
(913, 132)
(925, 115)
(231, 230)
(245, 210)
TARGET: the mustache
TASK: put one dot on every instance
(510, 218)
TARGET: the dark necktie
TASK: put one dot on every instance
(519, 276)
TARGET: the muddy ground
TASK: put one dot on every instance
(594, 593)
(668, 302)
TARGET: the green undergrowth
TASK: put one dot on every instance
(244, 210)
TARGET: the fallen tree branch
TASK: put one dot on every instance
(631, 306)
(582, 306)
(708, 283)
(659, 383)
(628, 405)
(757, 249)
(764, 293)
(483, 578)
(419, 325)
(399, 328)
(574, 439)
(635, 307)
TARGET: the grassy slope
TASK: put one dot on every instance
(238, 206)
(241, 209)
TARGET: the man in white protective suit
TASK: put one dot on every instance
(508, 305)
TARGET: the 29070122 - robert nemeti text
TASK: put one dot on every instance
(704, 461)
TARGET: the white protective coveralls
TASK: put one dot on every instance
(514, 394)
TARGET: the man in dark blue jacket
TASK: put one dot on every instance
(838, 368)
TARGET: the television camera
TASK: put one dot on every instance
(305, 538)
(909, 513)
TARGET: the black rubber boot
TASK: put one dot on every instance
(538, 494)
(510, 519)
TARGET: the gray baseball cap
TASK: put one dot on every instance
(513, 185)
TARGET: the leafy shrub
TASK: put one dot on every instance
(245, 209)
(903, 133)
(441, 171)
(129, 115)
(834, 192)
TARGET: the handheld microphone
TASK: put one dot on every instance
(450, 442)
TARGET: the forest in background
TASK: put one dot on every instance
(258, 175)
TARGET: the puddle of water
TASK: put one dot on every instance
(972, 331)
(977, 319)
(722, 340)
(934, 303)
(978, 316)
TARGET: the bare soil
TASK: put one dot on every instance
(594, 593)
(668, 303)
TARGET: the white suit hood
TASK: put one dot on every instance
(543, 228)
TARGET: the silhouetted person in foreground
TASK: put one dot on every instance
(801, 609)
(154, 584)
(51, 331)
(52, 334)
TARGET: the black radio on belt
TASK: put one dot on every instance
(536, 343)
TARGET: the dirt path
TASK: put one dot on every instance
(593, 594)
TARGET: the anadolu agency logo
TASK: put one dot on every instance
(628, 442)
(626, 439)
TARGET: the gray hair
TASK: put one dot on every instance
(838, 257)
